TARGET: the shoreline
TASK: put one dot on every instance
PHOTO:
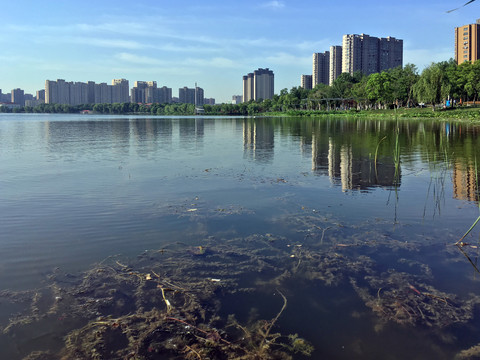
(471, 114)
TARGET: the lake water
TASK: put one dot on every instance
(353, 221)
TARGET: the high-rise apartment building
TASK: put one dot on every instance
(18, 97)
(147, 92)
(370, 54)
(164, 95)
(306, 82)
(186, 95)
(120, 90)
(467, 43)
(209, 101)
(335, 63)
(151, 92)
(237, 99)
(77, 93)
(199, 96)
(258, 85)
(41, 95)
(263, 84)
(5, 97)
(248, 87)
(138, 92)
(103, 94)
(321, 68)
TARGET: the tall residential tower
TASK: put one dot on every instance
(370, 54)
(321, 68)
(306, 82)
(467, 43)
(258, 85)
(335, 63)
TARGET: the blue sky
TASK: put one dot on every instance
(211, 42)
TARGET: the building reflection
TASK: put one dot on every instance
(350, 167)
(464, 182)
(191, 132)
(258, 140)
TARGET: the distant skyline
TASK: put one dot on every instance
(213, 43)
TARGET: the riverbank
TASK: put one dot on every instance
(460, 113)
(464, 113)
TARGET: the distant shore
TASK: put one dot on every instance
(459, 113)
(464, 113)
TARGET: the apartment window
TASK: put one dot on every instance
(465, 29)
(465, 33)
(465, 56)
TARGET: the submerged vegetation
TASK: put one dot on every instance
(173, 302)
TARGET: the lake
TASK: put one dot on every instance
(208, 237)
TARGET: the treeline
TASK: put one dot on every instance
(399, 87)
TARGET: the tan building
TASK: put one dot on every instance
(77, 93)
(467, 43)
(464, 182)
(321, 68)
(335, 63)
(120, 91)
(258, 85)
(248, 87)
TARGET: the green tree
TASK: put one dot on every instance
(472, 85)
(432, 86)
(404, 79)
(379, 88)
(359, 92)
(342, 86)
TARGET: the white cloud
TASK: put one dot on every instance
(110, 43)
(283, 58)
(136, 59)
(275, 4)
(217, 62)
(90, 41)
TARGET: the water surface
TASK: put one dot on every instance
(77, 189)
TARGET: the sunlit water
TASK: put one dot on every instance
(76, 189)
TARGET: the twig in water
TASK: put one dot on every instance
(267, 333)
(193, 350)
(468, 258)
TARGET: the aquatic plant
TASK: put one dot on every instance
(169, 302)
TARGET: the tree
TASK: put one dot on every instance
(432, 85)
(472, 85)
(359, 92)
(404, 80)
(379, 88)
(342, 86)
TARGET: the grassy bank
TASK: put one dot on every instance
(460, 113)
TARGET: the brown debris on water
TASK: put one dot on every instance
(400, 298)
